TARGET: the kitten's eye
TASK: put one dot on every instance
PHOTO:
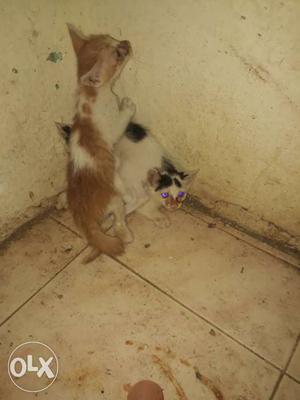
(180, 194)
(164, 195)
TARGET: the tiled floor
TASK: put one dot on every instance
(194, 307)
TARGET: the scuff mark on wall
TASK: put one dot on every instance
(262, 74)
(257, 70)
(55, 56)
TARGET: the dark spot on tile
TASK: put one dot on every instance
(14, 70)
(209, 384)
(243, 17)
(147, 245)
(56, 86)
(212, 332)
(31, 195)
(185, 362)
(211, 225)
(60, 296)
(242, 270)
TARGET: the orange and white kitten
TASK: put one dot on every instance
(93, 186)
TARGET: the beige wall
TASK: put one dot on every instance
(218, 82)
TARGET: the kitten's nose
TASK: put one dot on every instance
(124, 46)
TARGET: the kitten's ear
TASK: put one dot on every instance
(78, 40)
(64, 131)
(189, 177)
(153, 177)
(93, 77)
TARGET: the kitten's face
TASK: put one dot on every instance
(170, 189)
(100, 57)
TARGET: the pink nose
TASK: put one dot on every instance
(173, 203)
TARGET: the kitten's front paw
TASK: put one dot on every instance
(61, 202)
(128, 105)
(162, 221)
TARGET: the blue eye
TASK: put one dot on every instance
(164, 195)
(180, 194)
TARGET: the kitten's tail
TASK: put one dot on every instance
(100, 242)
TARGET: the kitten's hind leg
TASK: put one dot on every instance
(120, 227)
(151, 211)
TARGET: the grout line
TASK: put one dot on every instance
(283, 372)
(65, 226)
(282, 258)
(41, 288)
(294, 266)
(195, 313)
(293, 378)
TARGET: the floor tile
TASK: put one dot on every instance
(253, 241)
(288, 390)
(249, 294)
(110, 329)
(294, 367)
(64, 217)
(27, 263)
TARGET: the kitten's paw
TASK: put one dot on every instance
(124, 234)
(128, 105)
(61, 202)
(162, 221)
(107, 223)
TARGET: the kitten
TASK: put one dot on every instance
(149, 178)
(93, 186)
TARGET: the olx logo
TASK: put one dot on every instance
(33, 366)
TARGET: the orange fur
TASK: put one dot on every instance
(90, 190)
(90, 186)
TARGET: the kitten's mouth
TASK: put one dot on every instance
(173, 205)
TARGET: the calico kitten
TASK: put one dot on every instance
(150, 179)
(93, 185)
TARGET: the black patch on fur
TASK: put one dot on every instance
(135, 132)
(170, 169)
(164, 182)
(66, 132)
(177, 183)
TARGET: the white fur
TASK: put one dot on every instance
(79, 155)
(109, 117)
(135, 160)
